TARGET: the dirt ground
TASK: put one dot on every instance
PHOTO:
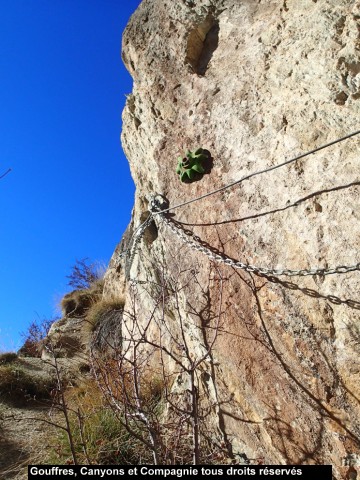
(23, 439)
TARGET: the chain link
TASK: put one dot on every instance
(193, 241)
(130, 252)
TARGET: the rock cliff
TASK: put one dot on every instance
(255, 83)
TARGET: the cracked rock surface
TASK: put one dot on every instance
(257, 83)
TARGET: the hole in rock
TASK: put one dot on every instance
(202, 42)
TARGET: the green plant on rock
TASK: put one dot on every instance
(192, 164)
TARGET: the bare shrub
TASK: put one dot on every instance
(84, 274)
(97, 435)
(36, 332)
(153, 397)
(173, 428)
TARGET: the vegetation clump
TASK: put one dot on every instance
(8, 357)
(87, 281)
(17, 386)
(192, 165)
(77, 303)
(34, 336)
(98, 431)
(84, 274)
(102, 310)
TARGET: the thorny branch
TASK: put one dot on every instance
(151, 349)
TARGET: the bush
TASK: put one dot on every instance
(100, 430)
(35, 333)
(30, 349)
(8, 357)
(85, 274)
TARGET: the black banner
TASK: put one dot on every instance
(103, 472)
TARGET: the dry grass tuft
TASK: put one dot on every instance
(100, 437)
(17, 386)
(101, 311)
(8, 357)
(77, 303)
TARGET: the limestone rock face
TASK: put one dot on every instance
(256, 83)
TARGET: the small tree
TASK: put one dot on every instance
(36, 332)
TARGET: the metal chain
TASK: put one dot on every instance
(133, 245)
(132, 249)
(193, 241)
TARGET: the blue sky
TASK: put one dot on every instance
(69, 194)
